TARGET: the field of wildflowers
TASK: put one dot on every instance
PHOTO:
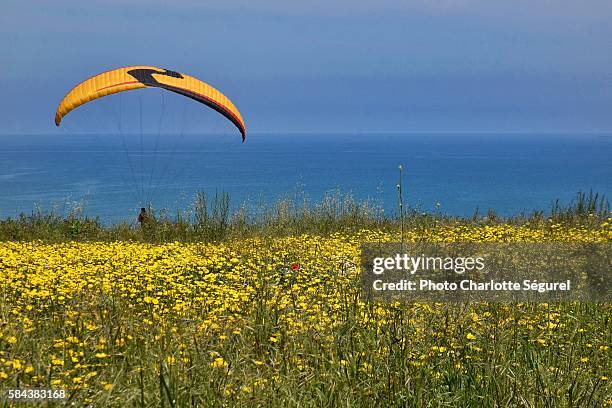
(273, 321)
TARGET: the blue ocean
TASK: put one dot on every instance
(110, 177)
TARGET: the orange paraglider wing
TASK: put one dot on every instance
(143, 76)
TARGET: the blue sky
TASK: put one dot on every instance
(335, 65)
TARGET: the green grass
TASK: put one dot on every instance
(211, 220)
(287, 344)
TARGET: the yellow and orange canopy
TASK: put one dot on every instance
(143, 76)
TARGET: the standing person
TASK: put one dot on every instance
(143, 216)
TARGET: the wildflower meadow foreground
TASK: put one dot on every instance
(281, 321)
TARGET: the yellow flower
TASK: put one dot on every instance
(218, 362)
(151, 300)
(15, 364)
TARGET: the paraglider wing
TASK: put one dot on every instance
(135, 77)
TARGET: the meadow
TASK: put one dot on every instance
(217, 309)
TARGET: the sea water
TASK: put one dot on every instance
(111, 176)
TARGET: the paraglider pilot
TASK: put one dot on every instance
(143, 216)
